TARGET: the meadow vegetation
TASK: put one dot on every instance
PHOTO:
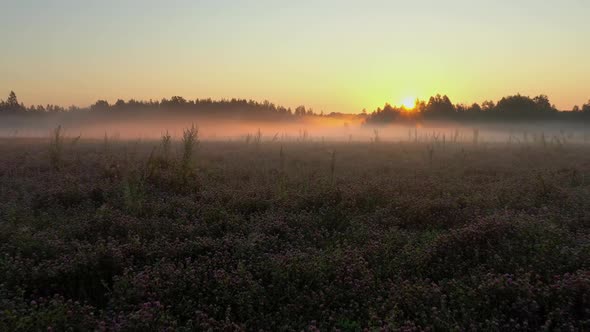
(264, 234)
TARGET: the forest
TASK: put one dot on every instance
(516, 108)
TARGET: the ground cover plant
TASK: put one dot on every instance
(183, 234)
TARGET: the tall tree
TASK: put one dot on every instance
(100, 105)
(12, 104)
(488, 105)
(542, 102)
(12, 101)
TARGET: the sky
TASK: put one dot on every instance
(331, 55)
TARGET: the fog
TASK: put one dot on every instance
(309, 128)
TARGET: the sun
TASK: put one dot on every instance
(409, 102)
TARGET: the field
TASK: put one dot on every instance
(291, 236)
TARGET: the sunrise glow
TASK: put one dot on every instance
(318, 165)
(409, 103)
(306, 53)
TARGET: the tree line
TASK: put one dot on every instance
(174, 105)
(511, 108)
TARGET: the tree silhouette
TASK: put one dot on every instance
(519, 106)
(542, 103)
(120, 103)
(488, 105)
(300, 111)
(11, 104)
(510, 108)
(100, 105)
(438, 107)
(475, 108)
(12, 101)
